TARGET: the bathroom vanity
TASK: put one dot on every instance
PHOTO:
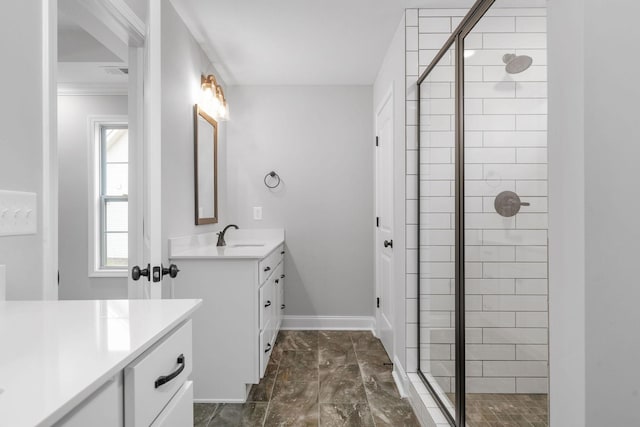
(242, 288)
(96, 363)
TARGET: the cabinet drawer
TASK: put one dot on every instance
(267, 303)
(179, 410)
(154, 378)
(266, 345)
(269, 264)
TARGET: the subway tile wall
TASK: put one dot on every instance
(505, 137)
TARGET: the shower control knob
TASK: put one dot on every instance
(508, 203)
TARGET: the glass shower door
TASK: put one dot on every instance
(436, 267)
(505, 218)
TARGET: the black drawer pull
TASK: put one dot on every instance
(282, 307)
(166, 378)
(267, 269)
(268, 349)
(282, 253)
(282, 277)
(267, 304)
(277, 281)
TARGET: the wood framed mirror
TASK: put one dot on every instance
(206, 167)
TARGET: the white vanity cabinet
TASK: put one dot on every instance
(271, 295)
(110, 363)
(242, 288)
(153, 390)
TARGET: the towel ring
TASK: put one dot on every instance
(273, 175)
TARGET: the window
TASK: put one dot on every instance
(110, 212)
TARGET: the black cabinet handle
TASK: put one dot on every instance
(166, 378)
(282, 253)
(268, 349)
(388, 243)
(267, 269)
(282, 307)
(282, 277)
(277, 281)
(267, 304)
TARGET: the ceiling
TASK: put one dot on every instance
(297, 42)
(82, 59)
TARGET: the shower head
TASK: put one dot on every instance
(516, 64)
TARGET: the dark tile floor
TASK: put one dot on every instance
(501, 410)
(325, 378)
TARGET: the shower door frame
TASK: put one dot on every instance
(456, 39)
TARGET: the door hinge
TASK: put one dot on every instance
(377, 221)
(377, 141)
(378, 302)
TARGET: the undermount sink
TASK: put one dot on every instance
(245, 245)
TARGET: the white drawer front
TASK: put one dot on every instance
(267, 303)
(144, 395)
(179, 411)
(266, 345)
(278, 291)
(269, 264)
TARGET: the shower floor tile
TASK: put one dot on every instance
(498, 410)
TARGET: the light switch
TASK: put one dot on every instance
(257, 213)
(18, 213)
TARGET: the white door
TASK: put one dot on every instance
(384, 222)
(145, 219)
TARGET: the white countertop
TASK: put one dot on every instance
(56, 353)
(241, 244)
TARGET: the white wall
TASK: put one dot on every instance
(611, 154)
(183, 62)
(391, 75)
(593, 232)
(73, 190)
(21, 138)
(567, 215)
(319, 140)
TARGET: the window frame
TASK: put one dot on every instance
(97, 201)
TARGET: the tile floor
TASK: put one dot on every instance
(498, 410)
(325, 378)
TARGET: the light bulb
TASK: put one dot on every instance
(222, 110)
(214, 105)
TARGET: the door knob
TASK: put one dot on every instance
(137, 272)
(172, 271)
(388, 244)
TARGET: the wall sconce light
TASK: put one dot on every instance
(212, 98)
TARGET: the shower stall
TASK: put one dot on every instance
(482, 203)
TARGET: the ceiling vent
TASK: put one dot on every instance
(116, 71)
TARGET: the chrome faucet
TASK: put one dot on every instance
(221, 234)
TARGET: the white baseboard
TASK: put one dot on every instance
(219, 401)
(348, 323)
(400, 377)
